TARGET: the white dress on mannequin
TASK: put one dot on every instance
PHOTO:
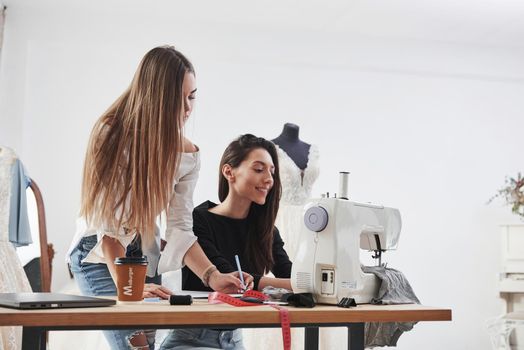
(296, 190)
(12, 276)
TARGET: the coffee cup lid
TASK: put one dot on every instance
(131, 260)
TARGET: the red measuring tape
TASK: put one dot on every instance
(217, 298)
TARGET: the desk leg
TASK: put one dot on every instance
(356, 336)
(33, 338)
(311, 338)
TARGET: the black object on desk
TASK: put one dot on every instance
(180, 300)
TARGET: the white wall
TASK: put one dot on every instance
(428, 127)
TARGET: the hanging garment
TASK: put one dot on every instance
(12, 275)
(19, 231)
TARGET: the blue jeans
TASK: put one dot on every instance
(95, 280)
(200, 338)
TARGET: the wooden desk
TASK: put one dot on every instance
(203, 315)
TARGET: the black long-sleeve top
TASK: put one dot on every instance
(222, 238)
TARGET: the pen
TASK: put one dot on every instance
(240, 272)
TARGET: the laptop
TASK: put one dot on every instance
(50, 301)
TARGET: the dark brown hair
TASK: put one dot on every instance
(134, 148)
(261, 218)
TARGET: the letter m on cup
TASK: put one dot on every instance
(128, 290)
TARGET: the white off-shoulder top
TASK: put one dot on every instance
(179, 225)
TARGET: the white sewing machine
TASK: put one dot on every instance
(327, 262)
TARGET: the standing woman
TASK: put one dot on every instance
(138, 164)
(242, 224)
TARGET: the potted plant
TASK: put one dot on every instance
(513, 194)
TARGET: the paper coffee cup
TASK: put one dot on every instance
(130, 277)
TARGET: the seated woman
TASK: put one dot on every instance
(242, 224)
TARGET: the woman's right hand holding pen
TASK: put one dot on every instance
(230, 283)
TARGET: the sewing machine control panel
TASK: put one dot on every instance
(328, 281)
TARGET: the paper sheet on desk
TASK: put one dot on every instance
(196, 294)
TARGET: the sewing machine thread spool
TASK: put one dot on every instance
(343, 185)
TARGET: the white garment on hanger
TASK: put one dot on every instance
(12, 276)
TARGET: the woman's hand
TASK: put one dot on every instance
(229, 282)
(248, 279)
(152, 290)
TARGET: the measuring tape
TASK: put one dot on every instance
(217, 298)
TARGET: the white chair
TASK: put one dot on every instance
(501, 327)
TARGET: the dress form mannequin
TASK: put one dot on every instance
(299, 169)
(296, 149)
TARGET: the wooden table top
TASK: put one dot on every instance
(202, 313)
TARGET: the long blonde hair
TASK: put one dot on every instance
(134, 148)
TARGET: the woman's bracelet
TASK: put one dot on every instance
(207, 274)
